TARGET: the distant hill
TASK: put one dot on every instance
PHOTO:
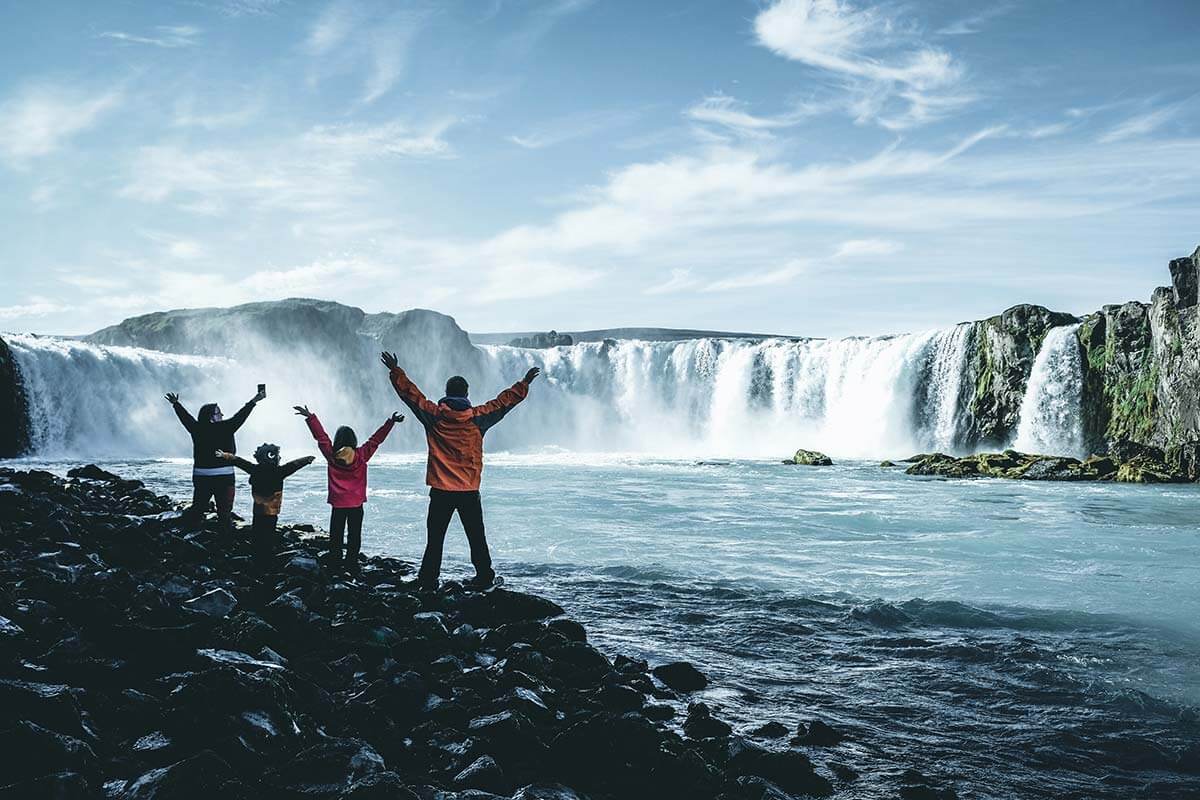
(645, 334)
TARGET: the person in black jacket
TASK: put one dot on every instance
(266, 487)
(212, 476)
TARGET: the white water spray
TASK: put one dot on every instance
(1051, 410)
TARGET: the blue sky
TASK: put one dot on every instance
(809, 167)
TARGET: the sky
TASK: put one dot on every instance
(802, 167)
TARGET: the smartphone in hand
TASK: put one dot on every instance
(262, 389)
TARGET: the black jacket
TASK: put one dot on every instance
(209, 437)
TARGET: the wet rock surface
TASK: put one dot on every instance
(140, 659)
(1127, 462)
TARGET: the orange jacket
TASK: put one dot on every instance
(455, 435)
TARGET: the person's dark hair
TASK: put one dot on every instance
(267, 452)
(344, 437)
(457, 387)
(206, 412)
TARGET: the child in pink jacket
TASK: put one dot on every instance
(347, 483)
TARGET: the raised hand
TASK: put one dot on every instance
(303, 411)
(221, 454)
(397, 416)
(533, 373)
(260, 396)
(389, 359)
(172, 398)
(309, 459)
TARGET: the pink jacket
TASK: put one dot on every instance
(347, 468)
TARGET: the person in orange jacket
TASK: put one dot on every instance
(454, 432)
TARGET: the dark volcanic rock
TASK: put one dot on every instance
(681, 676)
(14, 407)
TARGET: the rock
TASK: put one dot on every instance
(540, 341)
(329, 768)
(31, 751)
(214, 603)
(547, 791)
(14, 406)
(202, 775)
(568, 628)
(811, 458)
(379, 786)
(681, 676)
(658, 712)
(818, 734)
(886, 463)
(482, 773)
(620, 699)
(790, 769)
(771, 730)
(701, 724)
(1184, 279)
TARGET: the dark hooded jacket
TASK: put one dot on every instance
(209, 437)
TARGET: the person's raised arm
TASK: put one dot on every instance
(184, 415)
(238, 419)
(417, 402)
(493, 411)
(372, 444)
(240, 463)
(318, 432)
(297, 464)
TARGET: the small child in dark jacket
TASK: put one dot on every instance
(266, 486)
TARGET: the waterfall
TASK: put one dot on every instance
(1051, 410)
(856, 397)
(943, 392)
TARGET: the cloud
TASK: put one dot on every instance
(544, 17)
(681, 279)
(870, 54)
(248, 8)
(41, 118)
(574, 126)
(166, 36)
(758, 279)
(729, 112)
(35, 307)
(975, 23)
(856, 248)
(349, 34)
(187, 116)
(392, 138)
(1142, 124)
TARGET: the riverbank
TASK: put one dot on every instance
(140, 660)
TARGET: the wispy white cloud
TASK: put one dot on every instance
(189, 115)
(34, 307)
(349, 34)
(729, 112)
(391, 138)
(759, 278)
(166, 36)
(975, 23)
(681, 279)
(858, 248)
(871, 54)
(574, 126)
(40, 118)
(1142, 123)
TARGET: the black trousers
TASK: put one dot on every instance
(339, 520)
(442, 505)
(263, 533)
(220, 488)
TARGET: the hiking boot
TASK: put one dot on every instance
(480, 583)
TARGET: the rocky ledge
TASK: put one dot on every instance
(1126, 462)
(140, 660)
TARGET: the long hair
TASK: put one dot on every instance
(206, 412)
(344, 437)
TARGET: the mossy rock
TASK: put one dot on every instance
(811, 458)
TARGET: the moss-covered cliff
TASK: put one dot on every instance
(14, 409)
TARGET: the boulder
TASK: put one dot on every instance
(482, 773)
(202, 775)
(328, 768)
(214, 603)
(681, 676)
(811, 458)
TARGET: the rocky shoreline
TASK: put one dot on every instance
(140, 660)
(1126, 462)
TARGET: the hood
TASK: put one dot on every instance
(456, 403)
(345, 456)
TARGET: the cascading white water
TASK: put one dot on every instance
(855, 397)
(1051, 411)
(944, 388)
